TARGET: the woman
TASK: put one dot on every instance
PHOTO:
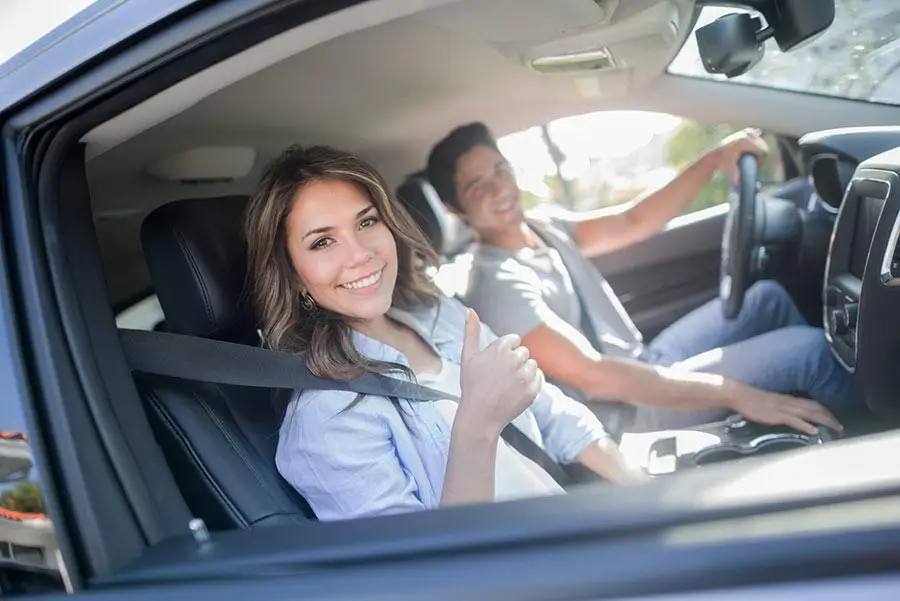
(337, 274)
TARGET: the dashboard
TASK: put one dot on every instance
(861, 291)
(832, 156)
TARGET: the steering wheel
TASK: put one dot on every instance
(738, 238)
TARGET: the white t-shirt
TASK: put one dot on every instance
(516, 476)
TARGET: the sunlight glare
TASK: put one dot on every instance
(585, 141)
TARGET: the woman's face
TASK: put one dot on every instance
(344, 255)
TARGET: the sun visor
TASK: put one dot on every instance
(205, 164)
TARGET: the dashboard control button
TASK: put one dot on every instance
(838, 322)
(763, 259)
(851, 311)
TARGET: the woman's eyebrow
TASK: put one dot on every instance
(327, 228)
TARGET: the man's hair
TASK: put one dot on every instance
(442, 160)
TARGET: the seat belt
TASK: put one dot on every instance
(205, 360)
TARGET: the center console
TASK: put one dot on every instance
(861, 291)
(667, 452)
(848, 260)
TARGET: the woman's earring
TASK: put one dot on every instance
(307, 301)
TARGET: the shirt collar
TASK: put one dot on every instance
(486, 251)
(422, 321)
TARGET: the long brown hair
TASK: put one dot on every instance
(323, 337)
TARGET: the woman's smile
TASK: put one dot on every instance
(365, 283)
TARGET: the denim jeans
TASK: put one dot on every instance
(769, 345)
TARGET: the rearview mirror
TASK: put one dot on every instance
(796, 21)
(732, 44)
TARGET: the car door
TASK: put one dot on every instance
(664, 277)
(122, 528)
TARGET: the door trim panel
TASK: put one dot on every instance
(683, 237)
(670, 274)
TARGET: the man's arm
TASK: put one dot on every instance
(567, 357)
(508, 299)
(606, 230)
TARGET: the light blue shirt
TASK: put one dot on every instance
(368, 461)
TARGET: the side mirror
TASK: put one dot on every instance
(732, 44)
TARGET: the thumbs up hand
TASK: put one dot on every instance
(497, 383)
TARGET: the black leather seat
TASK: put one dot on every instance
(219, 440)
(447, 235)
(421, 200)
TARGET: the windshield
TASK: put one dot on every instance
(857, 57)
(23, 22)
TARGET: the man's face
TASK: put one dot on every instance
(487, 191)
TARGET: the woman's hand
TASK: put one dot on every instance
(779, 409)
(498, 383)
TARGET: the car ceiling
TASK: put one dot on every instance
(387, 78)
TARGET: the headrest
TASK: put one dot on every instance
(197, 258)
(424, 206)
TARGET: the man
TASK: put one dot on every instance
(531, 277)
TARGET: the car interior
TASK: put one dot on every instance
(146, 209)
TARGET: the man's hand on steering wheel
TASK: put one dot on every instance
(740, 155)
(748, 140)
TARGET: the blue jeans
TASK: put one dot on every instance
(769, 345)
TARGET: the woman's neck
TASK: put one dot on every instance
(383, 329)
(420, 356)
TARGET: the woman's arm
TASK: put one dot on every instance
(603, 458)
(498, 382)
(470, 467)
(570, 431)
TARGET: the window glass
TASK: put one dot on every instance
(608, 158)
(858, 57)
(26, 531)
(146, 314)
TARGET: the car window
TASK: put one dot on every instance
(145, 314)
(858, 57)
(28, 544)
(608, 158)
